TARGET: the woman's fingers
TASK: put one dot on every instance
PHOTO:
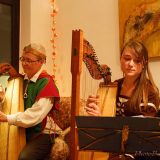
(93, 109)
(93, 99)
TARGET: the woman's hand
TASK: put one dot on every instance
(91, 107)
(3, 117)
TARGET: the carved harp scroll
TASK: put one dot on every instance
(12, 138)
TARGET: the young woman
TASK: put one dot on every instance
(137, 93)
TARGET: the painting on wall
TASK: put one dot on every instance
(140, 20)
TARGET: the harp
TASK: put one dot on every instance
(82, 50)
(12, 138)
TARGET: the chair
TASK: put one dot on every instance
(61, 147)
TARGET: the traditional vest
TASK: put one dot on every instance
(44, 87)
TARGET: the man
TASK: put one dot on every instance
(41, 96)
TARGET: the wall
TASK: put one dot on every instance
(36, 27)
(98, 20)
(25, 25)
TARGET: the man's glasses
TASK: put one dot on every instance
(26, 60)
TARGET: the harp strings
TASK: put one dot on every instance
(89, 83)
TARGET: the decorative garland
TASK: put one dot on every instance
(54, 34)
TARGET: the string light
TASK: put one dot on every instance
(54, 12)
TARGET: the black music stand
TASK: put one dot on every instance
(132, 135)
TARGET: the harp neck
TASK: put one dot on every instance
(96, 70)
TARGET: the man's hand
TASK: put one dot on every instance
(7, 68)
(4, 67)
(3, 117)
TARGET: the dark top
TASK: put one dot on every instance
(121, 110)
(122, 101)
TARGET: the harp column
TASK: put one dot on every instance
(76, 68)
